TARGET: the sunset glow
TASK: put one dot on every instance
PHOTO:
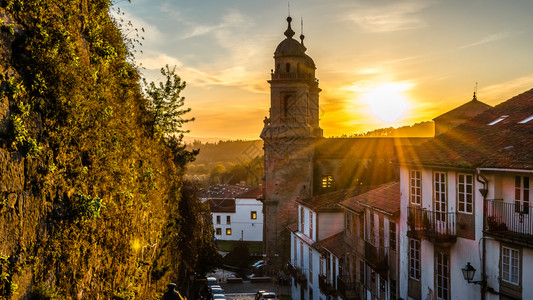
(387, 101)
(414, 63)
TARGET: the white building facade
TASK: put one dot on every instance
(238, 219)
(465, 205)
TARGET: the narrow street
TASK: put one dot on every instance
(247, 289)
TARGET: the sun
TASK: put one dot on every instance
(387, 101)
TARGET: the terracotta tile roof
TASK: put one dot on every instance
(334, 244)
(221, 205)
(385, 197)
(475, 143)
(293, 227)
(329, 201)
(466, 111)
(253, 193)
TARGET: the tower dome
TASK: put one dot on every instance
(290, 47)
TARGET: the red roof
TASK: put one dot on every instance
(334, 244)
(476, 143)
(385, 198)
(253, 193)
(221, 205)
(466, 111)
(329, 201)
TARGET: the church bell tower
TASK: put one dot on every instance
(289, 135)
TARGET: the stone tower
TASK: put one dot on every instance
(289, 136)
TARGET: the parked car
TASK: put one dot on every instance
(218, 297)
(257, 263)
(215, 290)
(259, 294)
(211, 281)
(269, 296)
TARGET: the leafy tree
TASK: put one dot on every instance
(166, 104)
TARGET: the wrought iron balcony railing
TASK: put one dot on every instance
(377, 257)
(434, 225)
(326, 286)
(511, 220)
(348, 288)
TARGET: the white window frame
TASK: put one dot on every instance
(414, 259)
(415, 187)
(522, 187)
(442, 264)
(465, 193)
(311, 224)
(510, 269)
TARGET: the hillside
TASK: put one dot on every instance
(92, 203)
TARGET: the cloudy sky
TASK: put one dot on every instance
(380, 63)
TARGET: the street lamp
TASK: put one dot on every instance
(468, 274)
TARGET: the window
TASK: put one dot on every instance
(526, 120)
(497, 120)
(443, 276)
(295, 250)
(348, 226)
(218, 231)
(381, 231)
(521, 194)
(301, 219)
(414, 259)
(228, 231)
(510, 265)
(327, 181)
(371, 228)
(439, 196)
(310, 265)
(301, 255)
(392, 236)
(361, 227)
(218, 219)
(253, 215)
(321, 269)
(310, 294)
(288, 67)
(465, 195)
(392, 289)
(415, 185)
(228, 220)
(311, 224)
(382, 286)
(361, 272)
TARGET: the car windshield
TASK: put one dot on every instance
(268, 296)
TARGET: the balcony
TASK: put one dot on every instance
(326, 286)
(292, 269)
(437, 227)
(377, 257)
(509, 221)
(348, 288)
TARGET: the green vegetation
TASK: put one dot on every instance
(227, 246)
(106, 210)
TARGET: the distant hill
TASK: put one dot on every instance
(226, 152)
(423, 129)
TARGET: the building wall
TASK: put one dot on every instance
(242, 226)
(460, 252)
(330, 223)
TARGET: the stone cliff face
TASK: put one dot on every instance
(88, 197)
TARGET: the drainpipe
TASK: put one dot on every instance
(484, 191)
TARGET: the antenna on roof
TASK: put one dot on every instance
(475, 91)
(289, 7)
(302, 36)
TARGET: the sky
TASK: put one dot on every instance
(380, 63)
